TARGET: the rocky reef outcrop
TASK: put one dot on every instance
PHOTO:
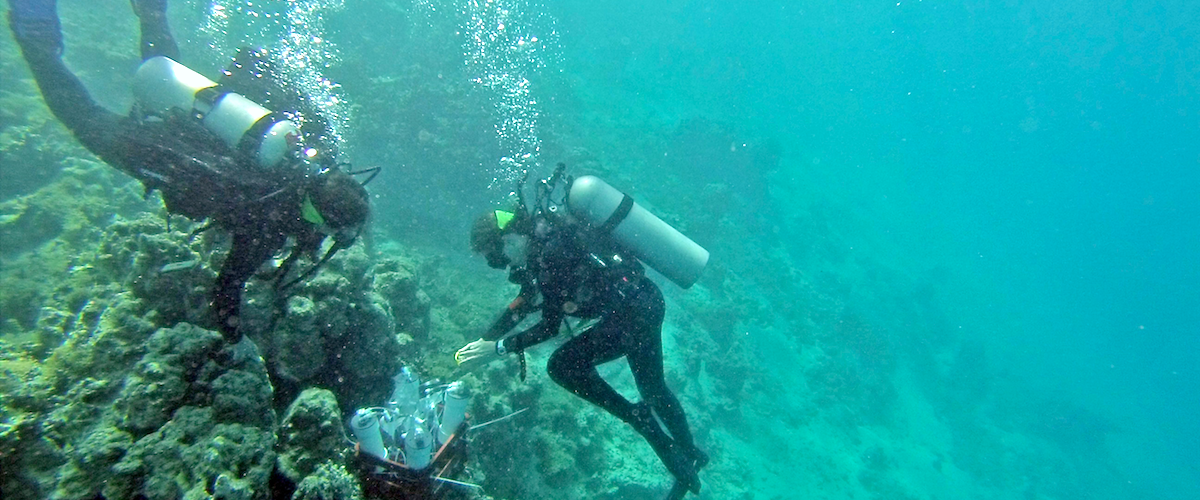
(113, 384)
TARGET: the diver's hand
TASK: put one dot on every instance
(480, 351)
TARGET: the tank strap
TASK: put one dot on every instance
(254, 136)
(208, 98)
(617, 216)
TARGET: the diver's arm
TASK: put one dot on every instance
(306, 245)
(488, 347)
(548, 327)
(516, 312)
(507, 320)
(37, 32)
(248, 253)
(156, 33)
(483, 350)
(555, 282)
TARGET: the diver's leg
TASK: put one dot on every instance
(644, 353)
(573, 366)
(684, 459)
(156, 33)
(36, 27)
(250, 250)
(646, 361)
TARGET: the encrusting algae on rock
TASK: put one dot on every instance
(113, 391)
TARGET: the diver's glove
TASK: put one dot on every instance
(477, 351)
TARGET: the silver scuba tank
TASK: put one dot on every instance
(655, 242)
(162, 84)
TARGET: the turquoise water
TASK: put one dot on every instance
(1035, 160)
(955, 245)
(1033, 163)
(1042, 154)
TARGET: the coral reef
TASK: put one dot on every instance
(330, 481)
(53, 230)
(336, 329)
(182, 424)
(161, 263)
(311, 435)
(196, 454)
(110, 388)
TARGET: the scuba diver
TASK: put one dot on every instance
(211, 152)
(584, 265)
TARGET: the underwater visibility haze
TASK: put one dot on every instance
(955, 250)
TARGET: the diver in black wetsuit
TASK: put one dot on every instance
(200, 176)
(563, 270)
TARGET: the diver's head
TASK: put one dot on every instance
(336, 202)
(499, 236)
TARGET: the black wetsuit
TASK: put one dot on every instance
(198, 175)
(597, 279)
